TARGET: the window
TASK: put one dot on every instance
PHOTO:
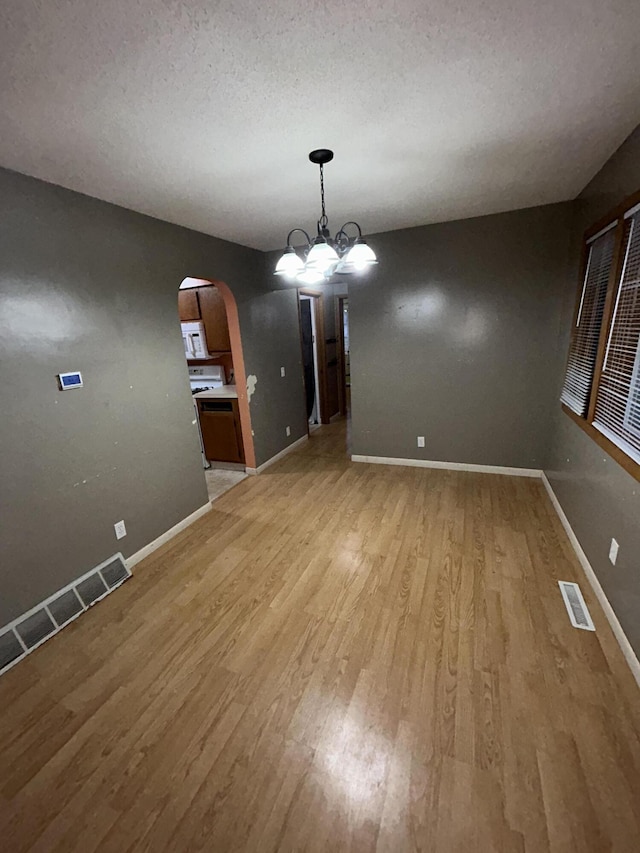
(601, 390)
(632, 415)
(586, 334)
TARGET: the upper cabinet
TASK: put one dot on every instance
(206, 304)
(188, 306)
(214, 316)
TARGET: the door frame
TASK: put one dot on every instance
(314, 354)
(317, 306)
(342, 360)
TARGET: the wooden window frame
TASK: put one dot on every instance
(586, 423)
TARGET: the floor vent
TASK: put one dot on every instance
(33, 628)
(576, 607)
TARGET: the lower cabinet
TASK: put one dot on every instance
(221, 433)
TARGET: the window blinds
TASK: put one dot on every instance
(617, 412)
(586, 333)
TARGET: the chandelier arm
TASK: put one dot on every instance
(302, 231)
(351, 222)
(342, 240)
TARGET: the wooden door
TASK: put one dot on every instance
(327, 357)
(188, 306)
(214, 317)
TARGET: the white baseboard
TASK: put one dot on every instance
(616, 627)
(166, 536)
(278, 456)
(449, 466)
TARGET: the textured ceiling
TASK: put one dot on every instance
(202, 113)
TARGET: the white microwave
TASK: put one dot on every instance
(195, 342)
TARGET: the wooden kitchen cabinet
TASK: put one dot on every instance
(220, 428)
(206, 304)
(214, 316)
(188, 305)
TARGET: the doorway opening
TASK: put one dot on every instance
(309, 341)
(320, 355)
(213, 350)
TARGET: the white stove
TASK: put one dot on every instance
(206, 378)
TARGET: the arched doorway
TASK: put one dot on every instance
(194, 294)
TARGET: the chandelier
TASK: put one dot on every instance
(325, 255)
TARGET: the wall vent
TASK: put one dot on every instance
(114, 573)
(65, 607)
(10, 649)
(91, 589)
(576, 607)
(23, 635)
(35, 628)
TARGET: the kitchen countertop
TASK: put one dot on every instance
(227, 392)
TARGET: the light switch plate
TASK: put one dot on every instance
(282, 372)
(613, 551)
(120, 529)
(420, 441)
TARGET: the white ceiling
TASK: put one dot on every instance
(203, 112)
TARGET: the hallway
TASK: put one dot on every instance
(337, 657)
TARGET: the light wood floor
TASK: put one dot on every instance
(338, 657)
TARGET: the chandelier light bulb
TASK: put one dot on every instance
(322, 256)
(290, 264)
(360, 256)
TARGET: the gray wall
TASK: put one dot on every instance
(453, 336)
(274, 342)
(600, 499)
(90, 286)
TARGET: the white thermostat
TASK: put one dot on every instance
(70, 380)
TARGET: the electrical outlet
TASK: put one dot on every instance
(288, 430)
(420, 441)
(282, 372)
(613, 551)
(120, 529)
